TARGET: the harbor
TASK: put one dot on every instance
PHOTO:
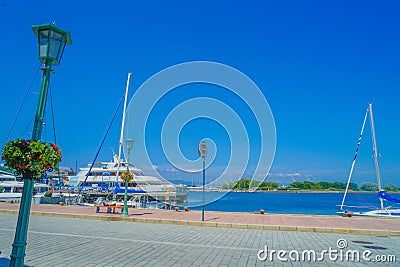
(210, 133)
(99, 182)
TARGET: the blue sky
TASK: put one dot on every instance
(318, 64)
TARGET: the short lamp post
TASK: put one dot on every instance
(52, 42)
(129, 144)
(203, 150)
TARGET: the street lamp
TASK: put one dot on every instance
(129, 144)
(51, 42)
(203, 150)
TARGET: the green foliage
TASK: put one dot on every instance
(353, 186)
(307, 185)
(226, 186)
(30, 158)
(367, 186)
(268, 185)
(323, 185)
(242, 184)
(246, 184)
(126, 176)
(391, 188)
(297, 185)
(339, 185)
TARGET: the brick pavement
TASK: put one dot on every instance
(305, 223)
(58, 241)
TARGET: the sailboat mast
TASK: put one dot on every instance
(354, 160)
(375, 149)
(123, 124)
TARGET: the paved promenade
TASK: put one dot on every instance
(61, 241)
(303, 223)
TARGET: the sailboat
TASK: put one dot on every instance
(100, 175)
(383, 210)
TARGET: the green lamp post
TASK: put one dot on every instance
(52, 42)
(129, 144)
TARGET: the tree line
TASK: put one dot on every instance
(247, 184)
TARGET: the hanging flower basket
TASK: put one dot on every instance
(29, 158)
(126, 176)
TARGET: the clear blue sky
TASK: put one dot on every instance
(318, 63)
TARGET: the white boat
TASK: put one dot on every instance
(383, 210)
(11, 189)
(6, 176)
(102, 178)
(103, 175)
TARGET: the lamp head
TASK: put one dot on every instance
(129, 144)
(51, 41)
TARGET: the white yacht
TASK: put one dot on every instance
(102, 177)
(11, 189)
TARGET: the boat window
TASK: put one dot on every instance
(120, 165)
(42, 189)
(3, 179)
(95, 173)
(7, 190)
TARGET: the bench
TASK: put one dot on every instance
(110, 208)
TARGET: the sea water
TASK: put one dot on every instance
(281, 202)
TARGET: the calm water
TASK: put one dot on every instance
(281, 202)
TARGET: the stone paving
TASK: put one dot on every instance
(60, 241)
(305, 223)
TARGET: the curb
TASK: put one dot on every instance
(215, 224)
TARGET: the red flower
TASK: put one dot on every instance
(55, 147)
